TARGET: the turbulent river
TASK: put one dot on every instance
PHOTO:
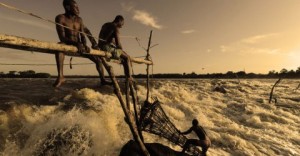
(81, 118)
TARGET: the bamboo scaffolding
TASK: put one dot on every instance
(27, 44)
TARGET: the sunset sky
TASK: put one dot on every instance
(202, 36)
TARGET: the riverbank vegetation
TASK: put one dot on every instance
(284, 73)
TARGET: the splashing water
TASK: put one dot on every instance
(81, 119)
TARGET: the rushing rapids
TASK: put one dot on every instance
(82, 118)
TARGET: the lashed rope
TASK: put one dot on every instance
(47, 20)
(22, 64)
(50, 21)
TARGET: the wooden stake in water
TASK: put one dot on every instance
(148, 58)
(272, 90)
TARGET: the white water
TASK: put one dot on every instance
(81, 118)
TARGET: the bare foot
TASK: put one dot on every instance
(58, 82)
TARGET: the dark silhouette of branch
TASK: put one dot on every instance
(272, 90)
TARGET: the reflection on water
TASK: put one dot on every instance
(82, 118)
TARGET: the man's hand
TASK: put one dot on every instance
(83, 48)
(87, 49)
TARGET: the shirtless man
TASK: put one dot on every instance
(204, 141)
(110, 42)
(68, 36)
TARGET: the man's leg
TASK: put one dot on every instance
(205, 144)
(100, 69)
(188, 143)
(59, 57)
(126, 64)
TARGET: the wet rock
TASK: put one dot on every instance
(155, 149)
(220, 89)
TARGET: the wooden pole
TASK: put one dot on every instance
(129, 117)
(148, 59)
(27, 44)
(127, 90)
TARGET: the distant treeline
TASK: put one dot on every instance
(284, 73)
(24, 74)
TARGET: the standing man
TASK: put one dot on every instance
(70, 35)
(110, 42)
(204, 141)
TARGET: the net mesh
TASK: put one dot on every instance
(154, 120)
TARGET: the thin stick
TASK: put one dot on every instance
(272, 90)
(148, 58)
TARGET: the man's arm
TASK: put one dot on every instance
(117, 39)
(188, 131)
(91, 38)
(82, 47)
(61, 31)
(82, 35)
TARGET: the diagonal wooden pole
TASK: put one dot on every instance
(127, 90)
(129, 117)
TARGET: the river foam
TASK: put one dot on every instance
(83, 119)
